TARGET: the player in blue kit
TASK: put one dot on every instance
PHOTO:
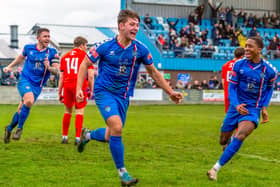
(118, 61)
(250, 91)
(40, 62)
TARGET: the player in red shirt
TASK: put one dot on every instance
(69, 68)
(226, 70)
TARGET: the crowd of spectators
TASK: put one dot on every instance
(212, 84)
(226, 24)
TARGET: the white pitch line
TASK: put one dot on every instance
(259, 157)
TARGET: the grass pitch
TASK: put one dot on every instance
(164, 146)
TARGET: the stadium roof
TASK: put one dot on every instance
(65, 34)
(61, 35)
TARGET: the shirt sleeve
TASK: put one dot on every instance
(24, 51)
(269, 89)
(146, 57)
(233, 84)
(54, 58)
(94, 54)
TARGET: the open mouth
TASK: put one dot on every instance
(133, 34)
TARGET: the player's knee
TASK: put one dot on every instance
(116, 131)
(240, 136)
(29, 103)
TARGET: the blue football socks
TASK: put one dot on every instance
(117, 150)
(98, 134)
(14, 122)
(23, 116)
(230, 151)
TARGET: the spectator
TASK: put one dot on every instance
(178, 50)
(199, 12)
(222, 17)
(253, 32)
(229, 15)
(234, 40)
(250, 20)
(204, 37)
(213, 82)
(265, 20)
(165, 45)
(204, 85)
(273, 47)
(196, 85)
(180, 85)
(191, 18)
(241, 39)
(161, 40)
(52, 83)
(148, 21)
(172, 24)
(241, 18)
(214, 11)
(217, 38)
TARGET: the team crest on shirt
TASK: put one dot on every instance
(107, 108)
(27, 87)
(241, 71)
(122, 69)
(262, 75)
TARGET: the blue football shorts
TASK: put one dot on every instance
(110, 104)
(233, 118)
(24, 86)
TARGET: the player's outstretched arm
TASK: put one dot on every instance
(81, 77)
(161, 82)
(19, 59)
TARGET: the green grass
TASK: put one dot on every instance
(164, 146)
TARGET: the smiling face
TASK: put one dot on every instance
(129, 28)
(43, 39)
(252, 50)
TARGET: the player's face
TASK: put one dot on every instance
(44, 39)
(252, 51)
(130, 28)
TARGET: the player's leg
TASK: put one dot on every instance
(28, 101)
(79, 123)
(12, 125)
(245, 128)
(65, 124)
(69, 100)
(117, 149)
(225, 138)
(229, 124)
(79, 116)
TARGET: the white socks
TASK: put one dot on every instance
(88, 136)
(65, 137)
(122, 171)
(217, 166)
